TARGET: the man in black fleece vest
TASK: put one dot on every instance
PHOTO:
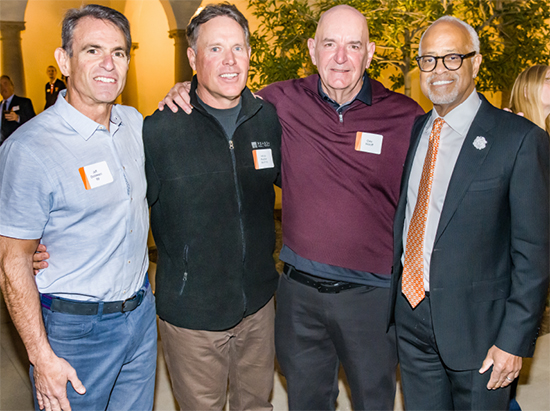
(210, 187)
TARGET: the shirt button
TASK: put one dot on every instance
(131, 231)
(128, 262)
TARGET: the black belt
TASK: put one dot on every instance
(64, 306)
(328, 286)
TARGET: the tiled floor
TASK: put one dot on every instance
(15, 390)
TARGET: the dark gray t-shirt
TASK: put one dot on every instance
(227, 117)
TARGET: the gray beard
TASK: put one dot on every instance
(443, 99)
(447, 98)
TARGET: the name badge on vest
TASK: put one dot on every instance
(263, 158)
(95, 175)
(368, 142)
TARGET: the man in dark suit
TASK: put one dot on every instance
(15, 110)
(471, 236)
(53, 86)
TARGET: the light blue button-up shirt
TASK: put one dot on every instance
(95, 229)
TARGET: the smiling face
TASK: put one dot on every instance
(221, 61)
(341, 51)
(448, 89)
(97, 69)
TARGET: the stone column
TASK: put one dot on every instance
(182, 70)
(130, 93)
(12, 54)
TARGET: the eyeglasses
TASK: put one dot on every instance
(452, 62)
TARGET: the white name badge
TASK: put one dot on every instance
(263, 158)
(368, 142)
(15, 108)
(95, 175)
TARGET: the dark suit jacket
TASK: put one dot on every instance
(25, 111)
(489, 267)
(51, 96)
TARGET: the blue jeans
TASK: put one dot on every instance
(114, 356)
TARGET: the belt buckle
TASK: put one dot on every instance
(328, 288)
(138, 297)
(123, 308)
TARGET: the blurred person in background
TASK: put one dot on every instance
(531, 95)
(531, 99)
(15, 110)
(53, 86)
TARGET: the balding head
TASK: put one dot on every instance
(341, 51)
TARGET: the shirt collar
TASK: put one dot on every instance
(8, 101)
(460, 118)
(82, 124)
(364, 95)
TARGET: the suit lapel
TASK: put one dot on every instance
(468, 163)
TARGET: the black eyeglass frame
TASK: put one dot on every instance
(462, 57)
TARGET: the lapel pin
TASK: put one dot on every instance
(480, 143)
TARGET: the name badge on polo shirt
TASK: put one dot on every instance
(95, 175)
(368, 142)
(263, 158)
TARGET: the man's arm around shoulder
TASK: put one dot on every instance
(51, 373)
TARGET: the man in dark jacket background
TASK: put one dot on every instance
(210, 187)
(15, 110)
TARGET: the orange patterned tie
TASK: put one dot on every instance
(413, 269)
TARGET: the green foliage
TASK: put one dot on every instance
(513, 35)
(280, 44)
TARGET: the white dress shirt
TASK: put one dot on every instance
(453, 134)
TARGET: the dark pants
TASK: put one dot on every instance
(316, 331)
(427, 383)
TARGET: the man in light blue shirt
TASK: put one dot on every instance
(74, 177)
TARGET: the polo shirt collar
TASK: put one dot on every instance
(364, 95)
(82, 124)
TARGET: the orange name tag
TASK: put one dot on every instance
(263, 158)
(95, 175)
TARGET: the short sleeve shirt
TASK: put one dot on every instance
(81, 189)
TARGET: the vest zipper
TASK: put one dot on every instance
(186, 261)
(240, 204)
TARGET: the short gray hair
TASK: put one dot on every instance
(97, 12)
(474, 38)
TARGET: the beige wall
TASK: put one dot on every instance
(39, 40)
(154, 59)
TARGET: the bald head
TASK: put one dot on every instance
(344, 13)
(341, 51)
